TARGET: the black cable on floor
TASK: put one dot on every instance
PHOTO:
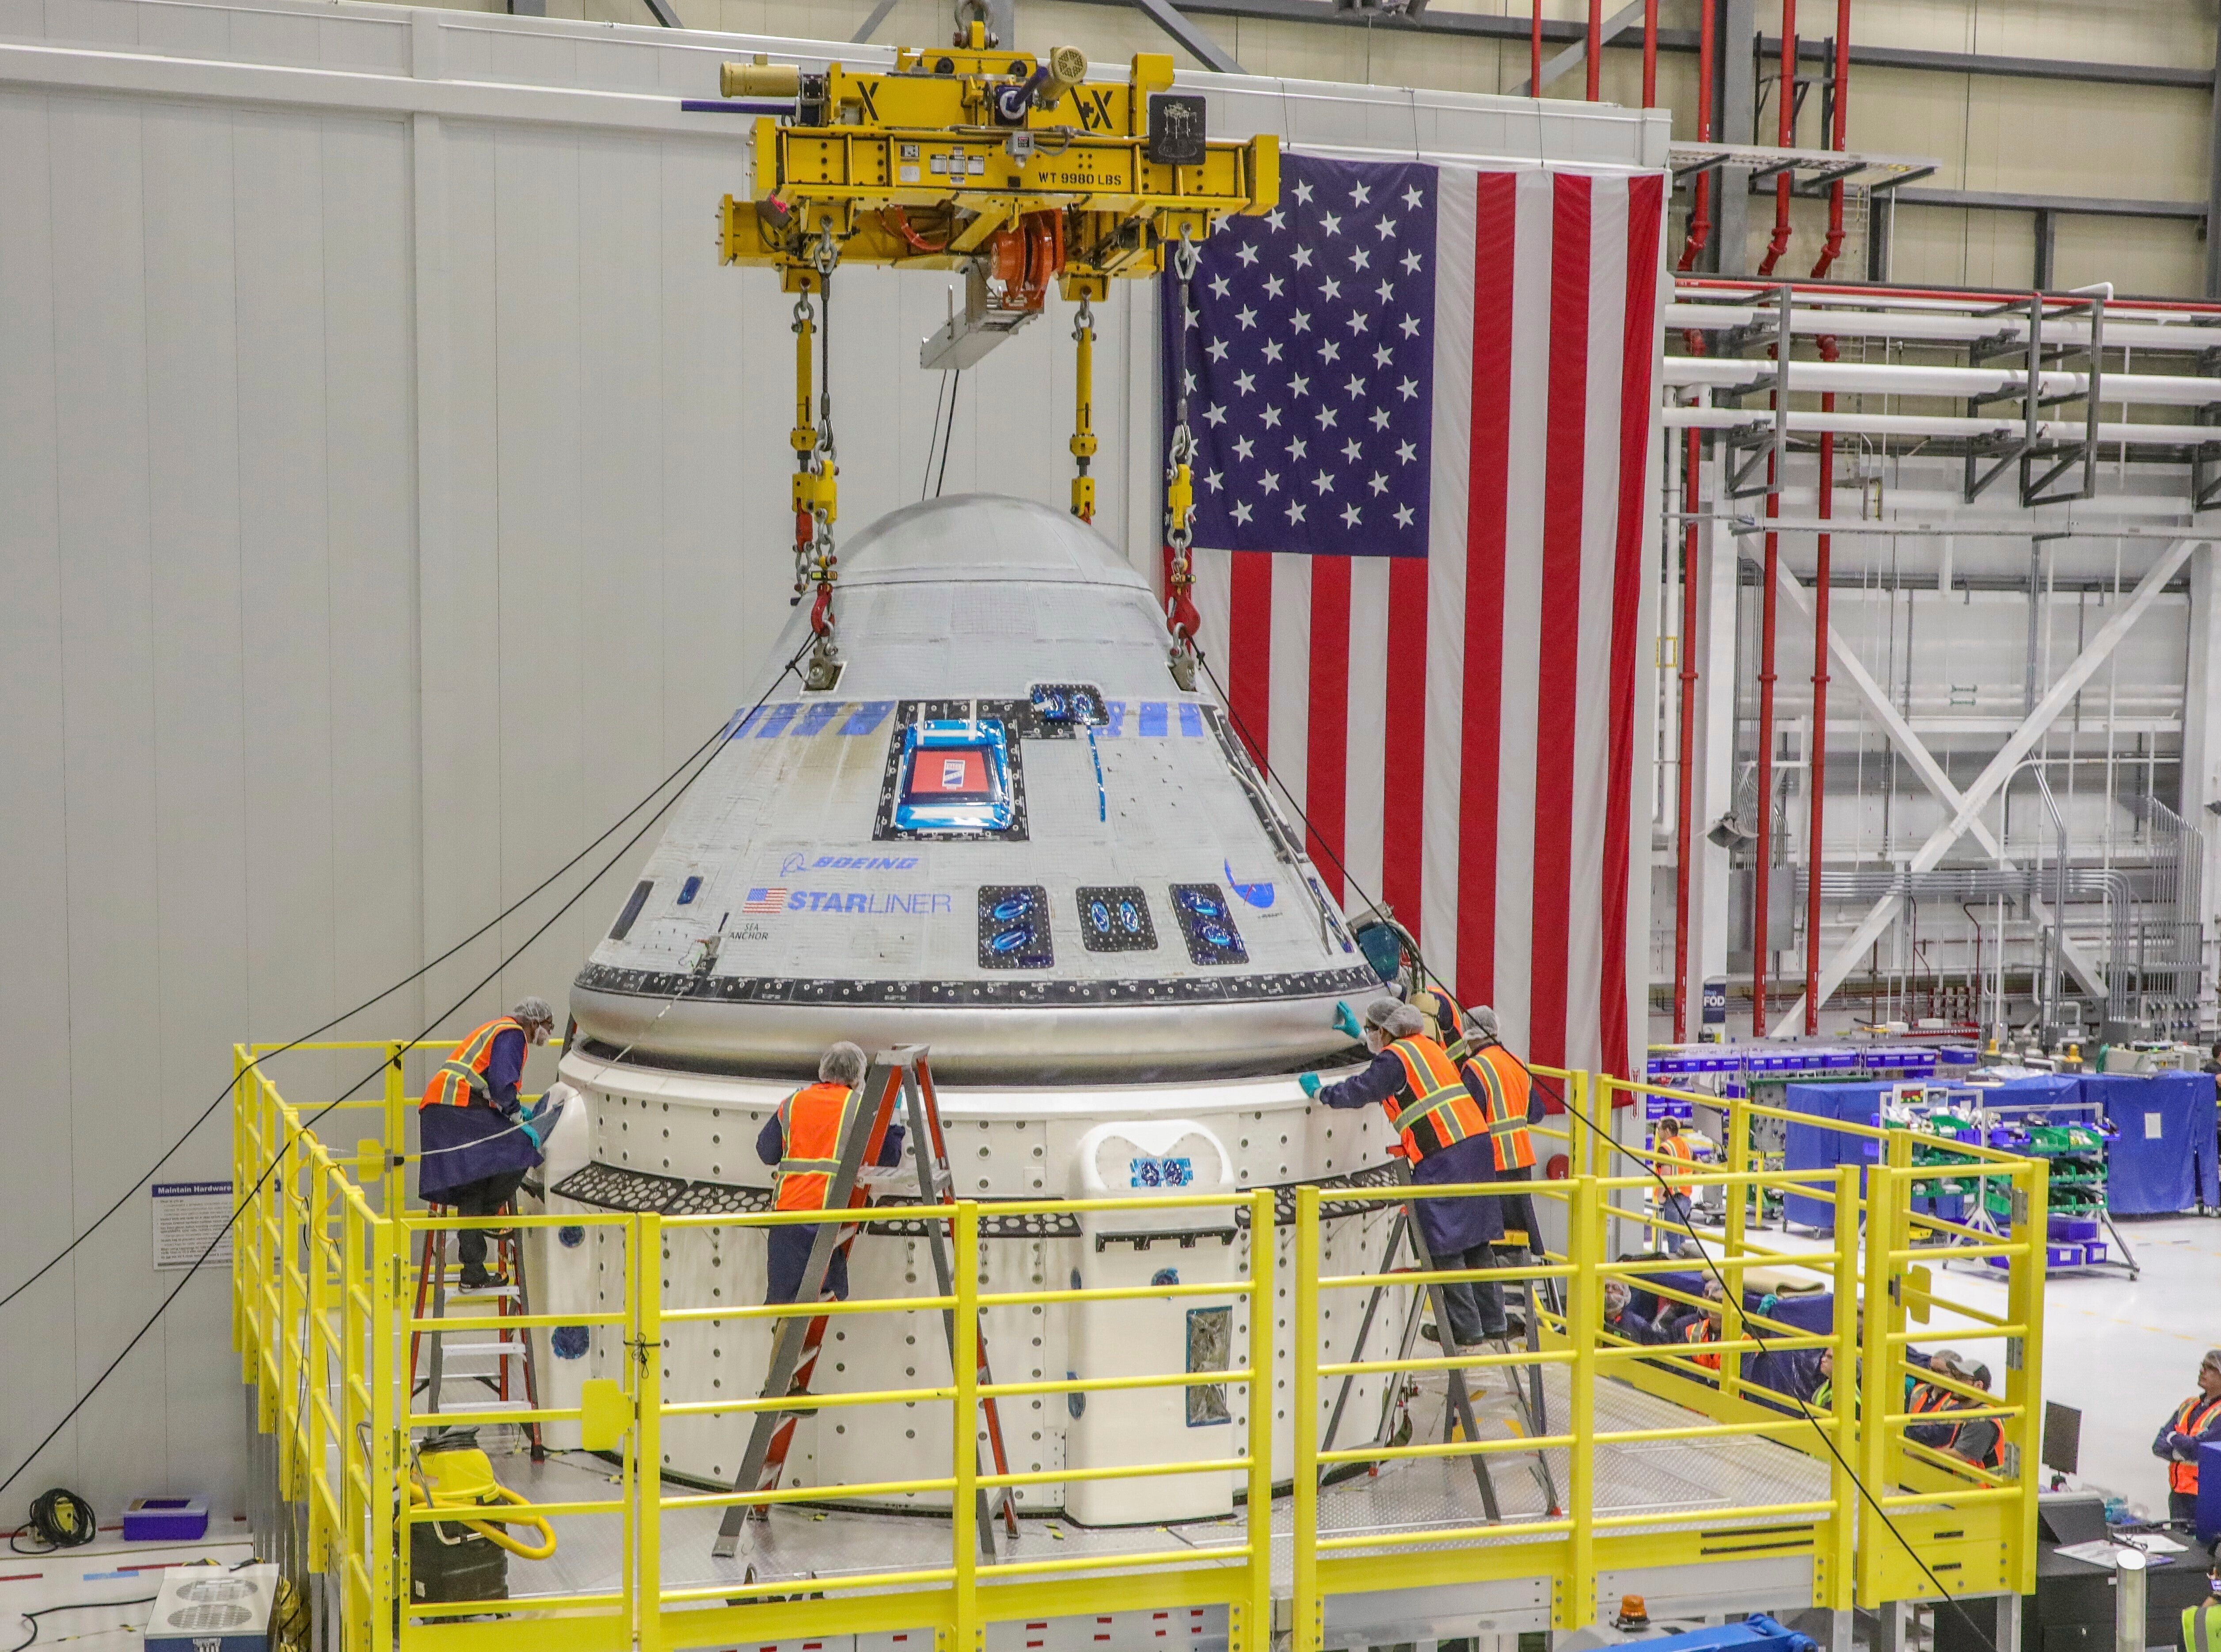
(277, 1158)
(1804, 1410)
(32, 1617)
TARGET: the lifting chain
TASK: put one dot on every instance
(816, 480)
(1181, 616)
(1083, 426)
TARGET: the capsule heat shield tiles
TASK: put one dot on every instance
(1014, 932)
(1207, 925)
(1114, 917)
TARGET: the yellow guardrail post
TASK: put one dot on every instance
(242, 1244)
(964, 1360)
(2024, 1362)
(389, 1403)
(396, 1187)
(1575, 1606)
(643, 1498)
(1878, 1395)
(1839, 1591)
(1253, 1625)
(1738, 1163)
(1309, 1614)
(318, 1375)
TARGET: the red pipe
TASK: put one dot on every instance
(1535, 52)
(1685, 836)
(1762, 849)
(1786, 96)
(1700, 200)
(1596, 51)
(1838, 139)
(1819, 752)
(1650, 53)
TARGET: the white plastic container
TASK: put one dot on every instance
(1149, 1336)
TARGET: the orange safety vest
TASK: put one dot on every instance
(2190, 1418)
(1498, 1075)
(461, 1078)
(1674, 1148)
(812, 1124)
(1703, 1331)
(1926, 1399)
(1442, 1112)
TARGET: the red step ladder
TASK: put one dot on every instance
(512, 1376)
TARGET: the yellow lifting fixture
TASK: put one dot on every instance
(1013, 169)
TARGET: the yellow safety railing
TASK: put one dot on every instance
(325, 1271)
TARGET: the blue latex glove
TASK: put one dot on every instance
(1310, 1083)
(531, 1134)
(1345, 1021)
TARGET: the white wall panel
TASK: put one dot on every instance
(392, 489)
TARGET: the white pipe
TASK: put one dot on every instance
(1880, 379)
(1917, 425)
(2073, 330)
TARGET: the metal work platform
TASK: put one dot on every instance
(1686, 1470)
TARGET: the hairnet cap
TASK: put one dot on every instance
(1485, 1021)
(842, 1063)
(1380, 1012)
(2213, 1358)
(532, 1012)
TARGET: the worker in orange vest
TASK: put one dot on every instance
(1705, 1326)
(1444, 1124)
(1500, 1079)
(2195, 1422)
(1669, 1144)
(477, 1142)
(803, 1139)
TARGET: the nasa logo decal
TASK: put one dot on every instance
(1257, 895)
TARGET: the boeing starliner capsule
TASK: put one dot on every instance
(1006, 834)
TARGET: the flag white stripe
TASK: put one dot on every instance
(1523, 605)
(1449, 499)
(1365, 768)
(1287, 740)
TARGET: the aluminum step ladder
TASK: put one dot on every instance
(898, 1076)
(1527, 1395)
(500, 1358)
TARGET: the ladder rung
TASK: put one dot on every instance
(505, 1350)
(454, 1290)
(482, 1404)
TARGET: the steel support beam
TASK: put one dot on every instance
(2000, 769)
(1199, 45)
(1578, 53)
(2213, 182)
(872, 23)
(2097, 206)
(1735, 100)
(1479, 26)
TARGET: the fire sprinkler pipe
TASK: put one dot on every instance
(1785, 180)
(1685, 829)
(1700, 200)
(1596, 51)
(1762, 845)
(1816, 757)
(1650, 53)
(1838, 139)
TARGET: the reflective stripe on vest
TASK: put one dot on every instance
(813, 1121)
(462, 1078)
(1444, 1112)
(2201, 1627)
(1702, 1332)
(1507, 1094)
(2190, 1417)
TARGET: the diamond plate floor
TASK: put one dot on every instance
(817, 1547)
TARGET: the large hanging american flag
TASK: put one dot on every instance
(1425, 399)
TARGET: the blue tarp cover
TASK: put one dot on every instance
(2163, 1159)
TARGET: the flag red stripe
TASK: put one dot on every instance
(1404, 800)
(1559, 675)
(1248, 664)
(1638, 345)
(1487, 504)
(1326, 785)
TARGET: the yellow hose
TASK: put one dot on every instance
(494, 1529)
